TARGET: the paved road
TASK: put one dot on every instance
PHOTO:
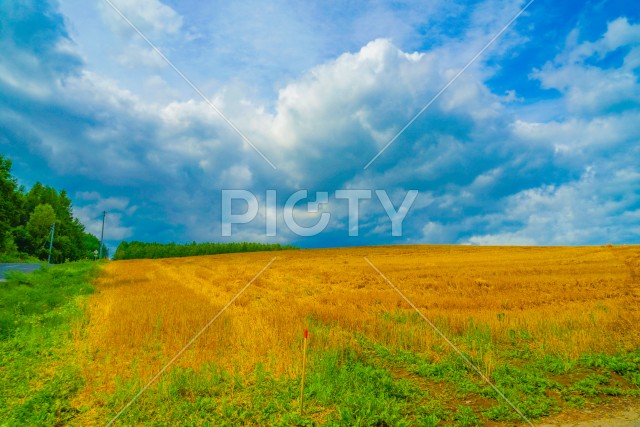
(25, 268)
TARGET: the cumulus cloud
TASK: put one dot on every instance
(150, 16)
(90, 207)
(485, 173)
(591, 209)
(586, 163)
(341, 113)
(590, 83)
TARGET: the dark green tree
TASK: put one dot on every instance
(10, 204)
(26, 219)
(39, 228)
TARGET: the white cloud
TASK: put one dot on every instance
(620, 33)
(434, 232)
(150, 16)
(503, 239)
(591, 89)
(337, 116)
(597, 208)
(135, 55)
(117, 208)
(482, 171)
(579, 139)
(157, 21)
(236, 176)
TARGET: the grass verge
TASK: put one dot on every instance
(41, 314)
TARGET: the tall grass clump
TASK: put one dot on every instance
(41, 317)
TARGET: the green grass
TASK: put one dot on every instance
(38, 373)
(539, 384)
(11, 258)
(341, 389)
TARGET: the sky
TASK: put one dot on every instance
(536, 142)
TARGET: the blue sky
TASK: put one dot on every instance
(536, 143)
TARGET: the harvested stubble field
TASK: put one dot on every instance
(556, 329)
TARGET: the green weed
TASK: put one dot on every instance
(37, 364)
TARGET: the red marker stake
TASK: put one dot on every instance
(304, 365)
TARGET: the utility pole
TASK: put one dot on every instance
(53, 230)
(104, 215)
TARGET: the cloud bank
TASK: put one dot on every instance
(118, 129)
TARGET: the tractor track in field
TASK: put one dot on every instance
(632, 262)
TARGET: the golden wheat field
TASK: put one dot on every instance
(572, 301)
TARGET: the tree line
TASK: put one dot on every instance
(26, 219)
(139, 250)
